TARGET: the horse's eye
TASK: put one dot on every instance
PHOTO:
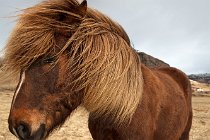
(50, 59)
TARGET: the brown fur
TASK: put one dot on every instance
(95, 66)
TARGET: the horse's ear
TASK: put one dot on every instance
(83, 7)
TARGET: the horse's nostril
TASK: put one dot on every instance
(23, 131)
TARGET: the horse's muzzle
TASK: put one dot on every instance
(23, 132)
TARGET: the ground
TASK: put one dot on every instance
(75, 128)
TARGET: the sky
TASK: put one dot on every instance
(175, 31)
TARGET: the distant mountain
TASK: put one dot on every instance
(203, 78)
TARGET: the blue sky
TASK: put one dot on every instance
(176, 31)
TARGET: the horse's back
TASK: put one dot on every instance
(178, 76)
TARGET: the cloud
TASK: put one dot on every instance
(176, 31)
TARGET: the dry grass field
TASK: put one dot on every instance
(75, 128)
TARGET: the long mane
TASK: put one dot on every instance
(100, 56)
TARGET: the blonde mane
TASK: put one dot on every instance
(100, 56)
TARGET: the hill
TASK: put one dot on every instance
(203, 78)
(151, 61)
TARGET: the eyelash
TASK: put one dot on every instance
(49, 60)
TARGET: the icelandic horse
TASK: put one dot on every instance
(69, 55)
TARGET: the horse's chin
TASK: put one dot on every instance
(51, 128)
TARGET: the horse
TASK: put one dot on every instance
(70, 55)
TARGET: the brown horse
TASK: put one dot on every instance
(70, 55)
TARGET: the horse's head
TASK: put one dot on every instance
(42, 100)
